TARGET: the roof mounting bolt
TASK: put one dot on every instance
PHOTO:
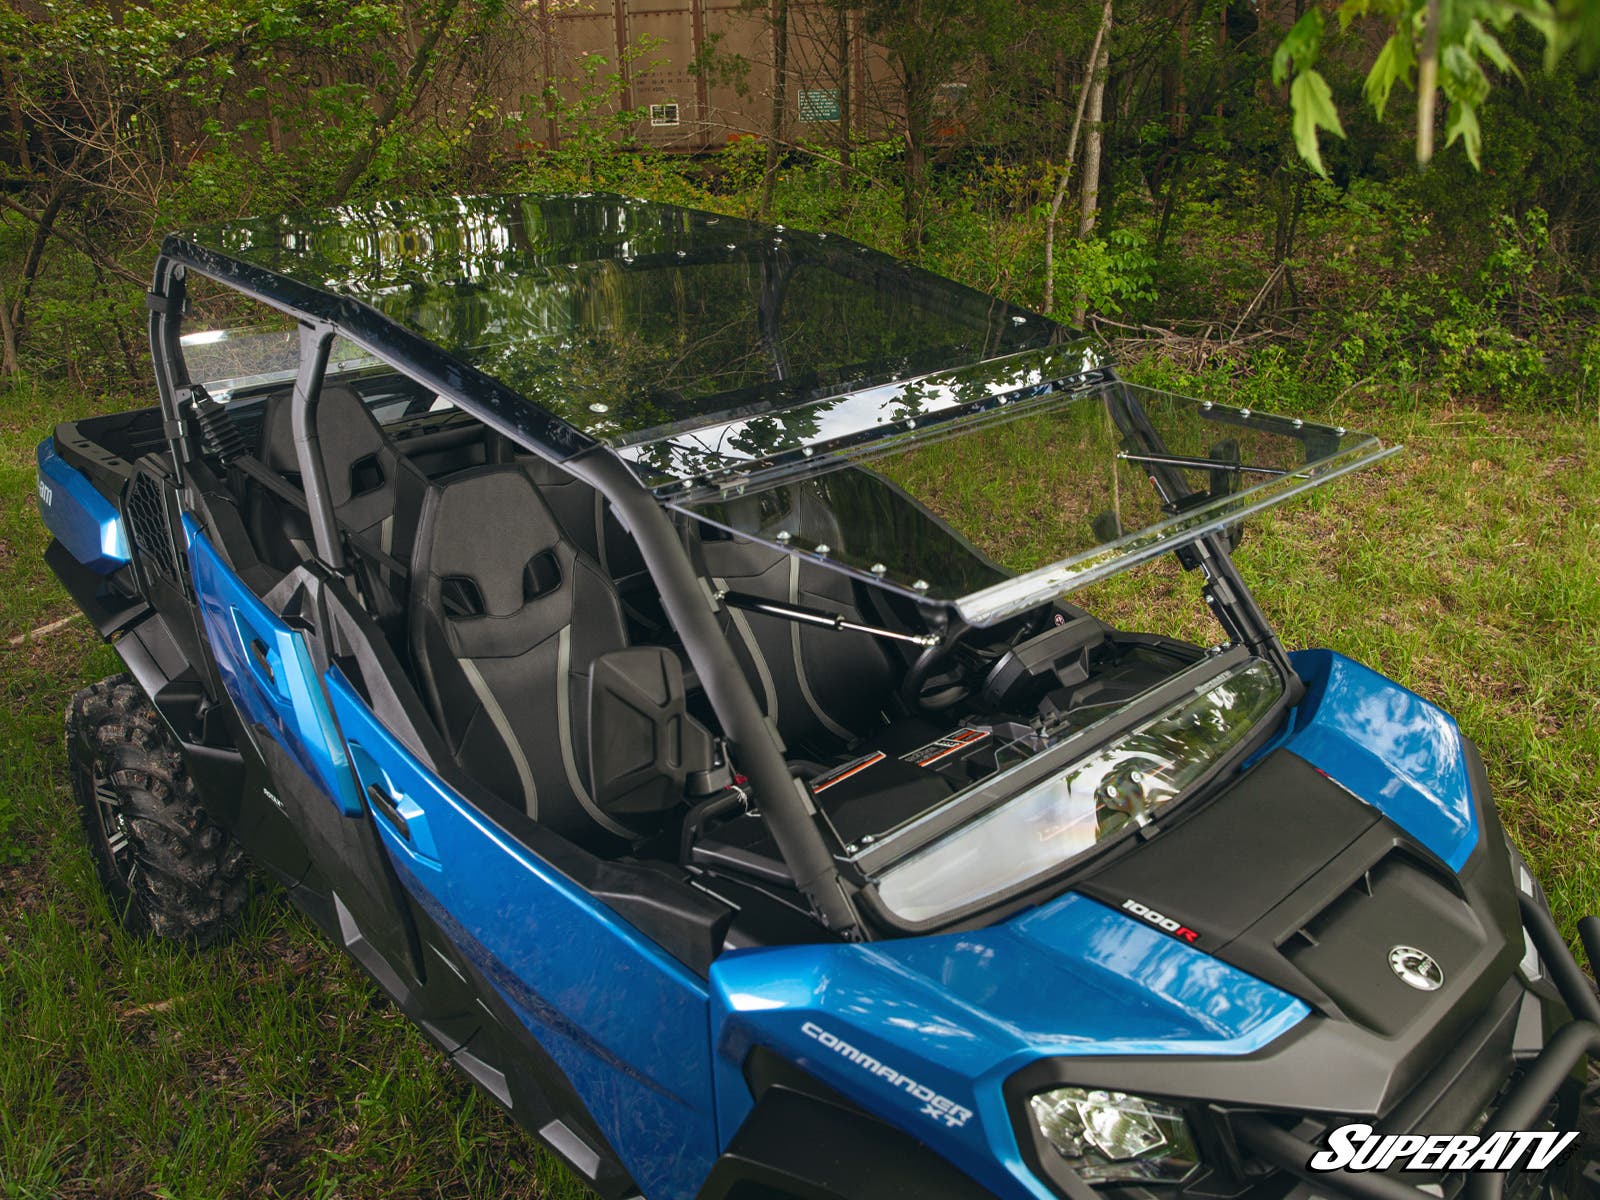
(597, 407)
(1210, 598)
(779, 228)
(867, 839)
(713, 220)
(808, 452)
(1019, 320)
(1205, 406)
(730, 246)
(1339, 430)
(823, 548)
(1244, 412)
(879, 569)
(683, 254)
(572, 266)
(911, 422)
(850, 849)
(920, 585)
(784, 535)
(627, 258)
(1298, 423)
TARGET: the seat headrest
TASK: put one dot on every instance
(491, 542)
(350, 437)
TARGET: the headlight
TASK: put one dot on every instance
(1112, 1137)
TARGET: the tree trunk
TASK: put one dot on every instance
(1180, 116)
(1066, 167)
(1427, 84)
(780, 97)
(393, 106)
(918, 100)
(19, 130)
(1089, 200)
(8, 341)
(844, 92)
(42, 226)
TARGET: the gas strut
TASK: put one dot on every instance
(1199, 464)
(820, 617)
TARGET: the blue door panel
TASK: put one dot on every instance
(268, 673)
(627, 1024)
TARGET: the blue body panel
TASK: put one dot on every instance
(1389, 748)
(81, 519)
(954, 1015)
(625, 1022)
(268, 673)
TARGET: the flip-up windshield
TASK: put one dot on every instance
(1064, 479)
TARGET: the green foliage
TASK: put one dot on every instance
(1113, 273)
(1449, 43)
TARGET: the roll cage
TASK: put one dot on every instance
(632, 478)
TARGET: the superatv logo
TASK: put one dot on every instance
(1161, 921)
(1358, 1148)
(939, 1108)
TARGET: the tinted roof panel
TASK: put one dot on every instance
(628, 319)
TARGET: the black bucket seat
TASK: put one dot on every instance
(375, 491)
(507, 618)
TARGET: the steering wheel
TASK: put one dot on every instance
(934, 682)
(938, 679)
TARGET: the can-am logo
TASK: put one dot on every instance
(1161, 921)
(1359, 1148)
(46, 496)
(940, 1108)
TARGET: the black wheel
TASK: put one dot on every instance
(169, 870)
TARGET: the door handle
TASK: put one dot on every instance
(261, 654)
(395, 811)
(263, 657)
(384, 804)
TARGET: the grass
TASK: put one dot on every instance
(1468, 569)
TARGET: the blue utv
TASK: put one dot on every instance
(577, 605)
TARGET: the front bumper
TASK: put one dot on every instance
(1522, 1107)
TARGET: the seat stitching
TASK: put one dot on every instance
(497, 717)
(743, 626)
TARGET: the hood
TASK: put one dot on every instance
(925, 1031)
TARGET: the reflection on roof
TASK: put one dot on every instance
(633, 320)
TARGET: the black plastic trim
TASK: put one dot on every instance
(802, 1142)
